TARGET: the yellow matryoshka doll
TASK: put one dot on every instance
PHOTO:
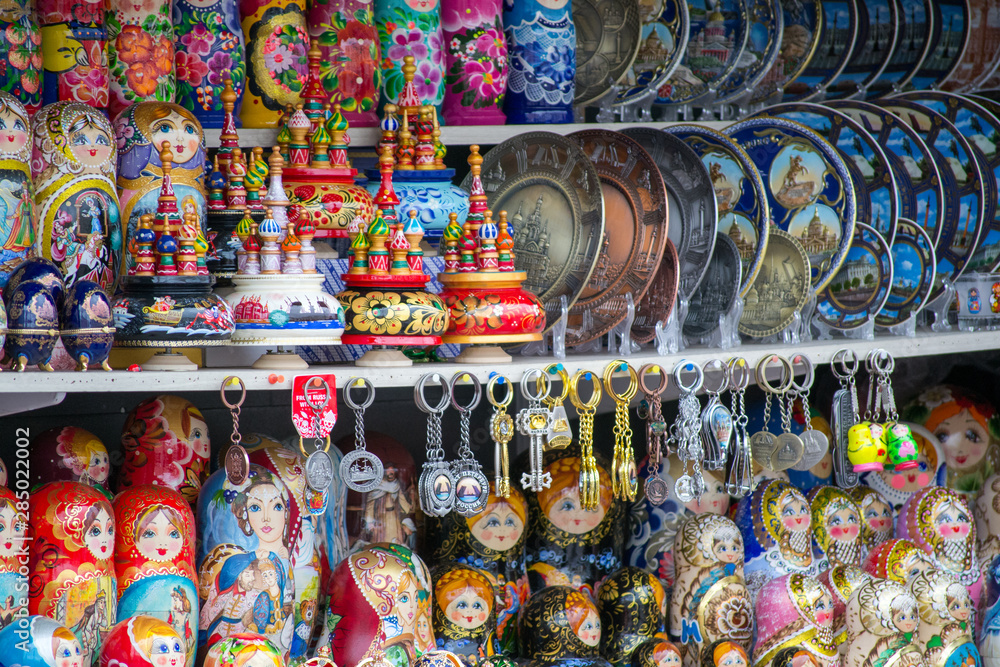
(17, 192)
(73, 166)
(882, 620)
(142, 641)
(836, 527)
(946, 620)
(631, 603)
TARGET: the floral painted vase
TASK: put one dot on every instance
(430, 193)
(208, 45)
(35, 641)
(154, 560)
(795, 609)
(351, 65)
(836, 527)
(277, 41)
(411, 28)
(70, 453)
(18, 226)
(140, 53)
(841, 581)
(142, 641)
(631, 603)
(243, 648)
(74, 52)
(475, 62)
(13, 550)
(73, 165)
(541, 42)
(21, 44)
(898, 560)
(464, 611)
(947, 617)
(882, 620)
(561, 626)
(71, 562)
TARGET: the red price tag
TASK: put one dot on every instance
(303, 415)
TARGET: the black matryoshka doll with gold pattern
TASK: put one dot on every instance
(465, 603)
(631, 603)
(567, 544)
(561, 626)
(656, 653)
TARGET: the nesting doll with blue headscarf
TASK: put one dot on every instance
(38, 641)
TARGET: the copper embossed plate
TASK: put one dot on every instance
(658, 303)
(913, 268)
(781, 289)
(839, 30)
(861, 287)
(948, 43)
(915, 32)
(662, 45)
(607, 41)
(980, 59)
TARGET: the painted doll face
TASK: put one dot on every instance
(960, 607)
(732, 659)
(160, 539)
(98, 467)
(13, 131)
(905, 619)
(182, 134)
(912, 480)
(823, 469)
(99, 536)
(90, 145)
(11, 532)
(823, 611)
(422, 5)
(795, 514)
(167, 652)
(200, 442)
(590, 630)
(714, 500)
(915, 564)
(964, 441)
(878, 516)
(667, 658)
(843, 525)
(68, 653)
(568, 514)
(423, 627)
(727, 549)
(266, 513)
(469, 610)
(951, 522)
(499, 530)
(406, 607)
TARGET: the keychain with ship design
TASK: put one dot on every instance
(361, 470)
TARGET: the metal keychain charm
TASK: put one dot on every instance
(319, 464)
(789, 447)
(560, 435)
(844, 415)
(502, 431)
(471, 486)
(535, 421)
(686, 432)
(436, 487)
(655, 487)
(237, 461)
(624, 476)
(360, 469)
(764, 444)
(716, 420)
(590, 476)
(739, 470)
(815, 444)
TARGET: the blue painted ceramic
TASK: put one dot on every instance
(861, 287)
(430, 193)
(664, 39)
(949, 38)
(88, 330)
(33, 324)
(878, 31)
(38, 270)
(541, 43)
(839, 29)
(913, 270)
(764, 43)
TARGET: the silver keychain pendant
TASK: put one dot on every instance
(815, 444)
(687, 432)
(436, 486)
(318, 465)
(739, 470)
(844, 415)
(472, 488)
(535, 421)
(716, 422)
(764, 445)
(361, 470)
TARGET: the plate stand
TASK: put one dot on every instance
(605, 105)
(808, 308)
(668, 333)
(907, 328)
(707, 104)
(726, 335)
(865, 332)
(938, 309)
(280, 360)
(169, 361)
(623, 332)
(739, 106)
(384, 357)
(639, 110)
(483, 354)
(539, 348)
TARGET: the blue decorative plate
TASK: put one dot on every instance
(916, 27)
(961, 178)
(662, 45)
(861, 286)
(809, 189)
(766, 24)
(802, 28)
(878, 31)
(874, 182)
(949, 39)
(839, 32)
(913, 269)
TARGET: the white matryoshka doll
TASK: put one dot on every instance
(878, 519)
(71, 560)
(794, 610)
(710, 600)
(836, 527)
(245, 580)
(73, 166)
(882, 621)
(842, 581)
(775, 522)
(17, 192)
(38, 641)
(142, 641)
(946, 620)
(631, 603)
(13, 581)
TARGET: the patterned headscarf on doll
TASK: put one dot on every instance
(794, 609)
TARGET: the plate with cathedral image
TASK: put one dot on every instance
(802, 23)
(861, 287)
(766, 22)
(607, 41)
(663, 42)
(717, 292)
(781, 289)
(839, 30)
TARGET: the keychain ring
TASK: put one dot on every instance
(633, 381)
(369, 397)
(744, 377)
(879, 357)
(418, 393)
(664, 379)
(232, 379)
(477, 394)
(723, 368)
(786, 374)
(491, 385)
(326, 393)
(807, 383)
(540, 379)
(574, 394)
(691, 367)
(839, 361)
(557, 369)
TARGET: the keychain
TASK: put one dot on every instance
(502, 431)
(535, 421)
(902, 452)
(319, 465)
(764, 445)
(360, 469)
(624, 483)
(560, 435)
(815, 444)
(844, 415)
(790, 447)
(739, 478)
(686, 433)
(237, 460)
(590, 478)
(436, 484)
(471, 486)
(655, 488)
(716, 421)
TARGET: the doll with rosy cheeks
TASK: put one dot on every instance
(159, 534)
(588, 628)
(464, 610)
(945, 630)
(500, 525)
(881, 620)
(66, 649)
(12, 528)
(181, 132)
(877, 516)
(729, 654)
(13, 130)
(836, 527)
(99, 531)
(142, 641)
(89, 142)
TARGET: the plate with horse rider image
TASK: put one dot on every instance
(913, 268)
(781, 289)
(861, 287)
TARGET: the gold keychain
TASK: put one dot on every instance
(560, 435)
(590, 478)
(624, 482)
(501, 430)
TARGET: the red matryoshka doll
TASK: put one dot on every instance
(166, 443)
(72, 572)
(725, 654)
(380, 607)
(841, 581)
(561, 626)
(567, 544)
(656, 653)
(17, 191)
(878, 519)
(710, 600)
(898, 560)
(142, 641)
(938, 521)
(946, 630)
(631, 603)
(154, 559)
(73, 167)
(13, 581)
(38, 641)
(836, 527)
(244, 649)
(898, 486)
(464, 616)
(73, 454)
(795, 610)
(882, 621)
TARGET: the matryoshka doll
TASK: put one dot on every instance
(946, 615)
(794, 609)
(568, 545)
(878, 519)
(17, 191)
(725, 654)
(166, 443)
(73, 167)
(631, 603)
(412, 28)
(74, 51)
(989, 631)
(987, 512)
(656, 653)
(378, 607)
(836, 527)
(140, 53)
(882, 620)
(142, 641)
(709, 587)
(898, 485)
(154, 560)
(244, 649)
(277, 41)
(775, 523)
(842, 581)
(541, 46)
(70, 453)
(72, 573)
(560, 625)
(13, 581)
(38, 641)
(898, 560)
(464, 617)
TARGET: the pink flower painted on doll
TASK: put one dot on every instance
(88, 85)
(191, 69)
(219, 65)
(199, 41)
(279, 59)
(454, 18)
(437, 48)
(407, 44)
(492, 44)
(428, 81)
(485, 79)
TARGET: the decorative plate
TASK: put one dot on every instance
(662, 45)
(874, 183)
(718, 289)
(781, 289)
(916, 27)
(839, 31)
(635, 231)
(920, 190)
(981, 128)
(764, 33)
(690, 202)
(861, 287)
(607, 41)
(801, 30)
(979, 61)
(553, 196)
(962, 180)
(878, 32)
(658, 303)
(913, 268)
(948, 43)
(809, 189)
(718, 36)
(739, 194)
